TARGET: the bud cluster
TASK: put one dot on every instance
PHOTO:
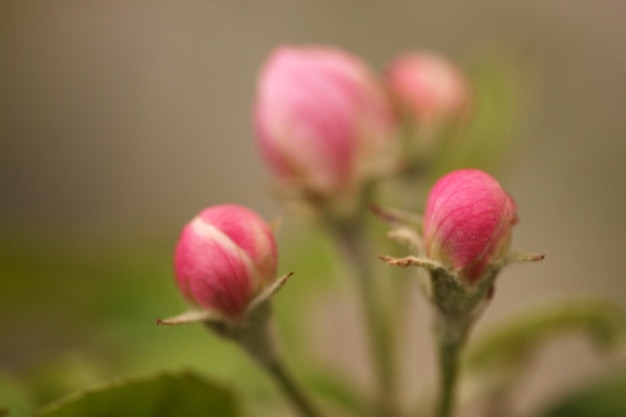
(327, 125)
(330, 128)
(324, 120)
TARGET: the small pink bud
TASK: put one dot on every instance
(468, 222)
(224, 257)
(428, 89)
(320, 117)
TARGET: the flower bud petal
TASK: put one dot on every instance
(320, 117)
(428, 89)
(224, 257)
(468, 222)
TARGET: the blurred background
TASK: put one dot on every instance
(120, 120)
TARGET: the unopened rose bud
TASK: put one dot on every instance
(225, 257)
(321, 118)
(428, 90)
(468, 222)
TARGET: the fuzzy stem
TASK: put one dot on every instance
(449, 353)
(291, 390)
(379, 332)
(254, 336)
(457, 311)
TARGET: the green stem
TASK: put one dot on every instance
(452, 331)
(291, 390)
(449, 370)
(378, 329)
(458, 307)
(253, 335)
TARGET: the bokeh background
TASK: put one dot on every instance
(119, 120)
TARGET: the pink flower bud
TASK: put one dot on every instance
(320, 117)
(225, 256)
(428, 89)
(468, 222)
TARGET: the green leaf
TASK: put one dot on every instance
(605, 398)
(602, 321)
(178, 395)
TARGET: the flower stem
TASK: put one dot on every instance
(379, 332)
(290, 389)
(451, 333)
(253, 335)
(448, 374)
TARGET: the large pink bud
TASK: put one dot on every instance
(428, 89)
(225, 256)
(321, 118)
(468, 222)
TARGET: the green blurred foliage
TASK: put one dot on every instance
(175, 395)
(14, 397)
(498, 362)
(603, 398)
(603, 322)
(82, 315)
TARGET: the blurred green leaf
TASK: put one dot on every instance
(179, 395)
(601, 320)
(14, 399)
(604, 398)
